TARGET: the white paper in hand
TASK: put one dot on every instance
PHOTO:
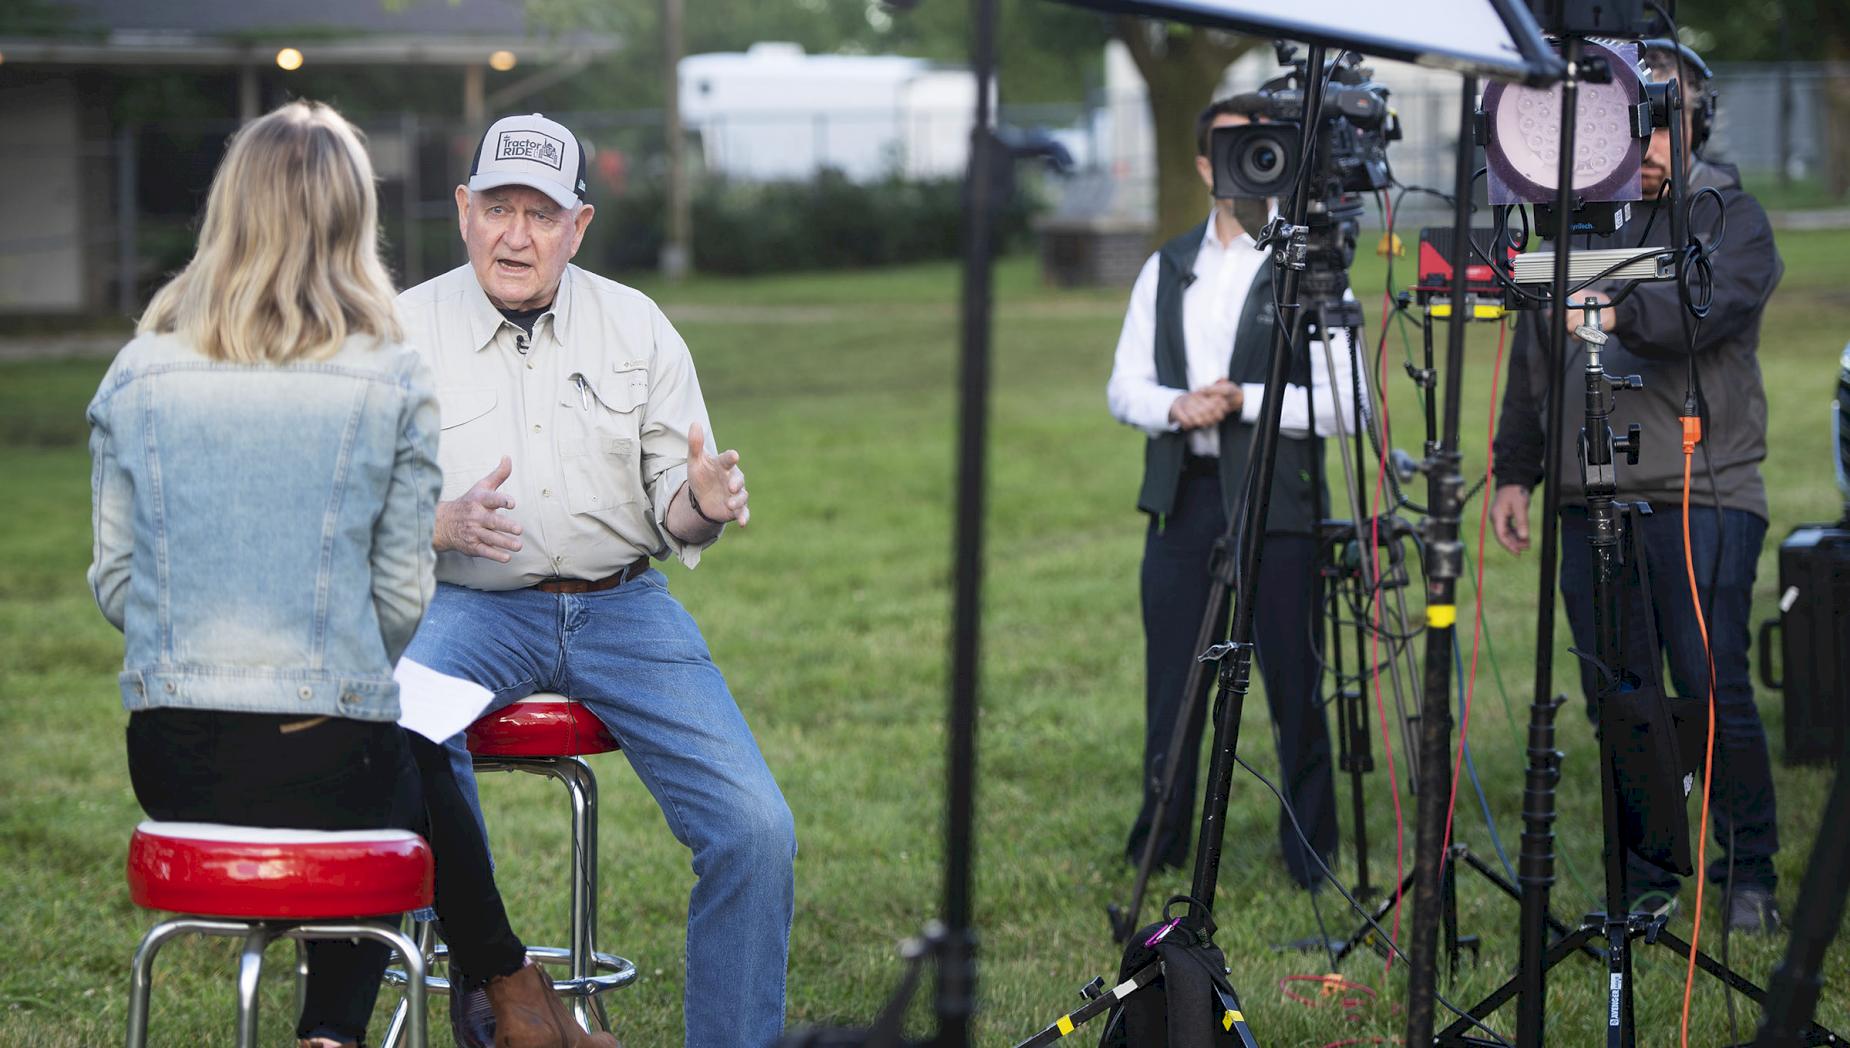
(436, 705)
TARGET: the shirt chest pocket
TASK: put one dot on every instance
(603, 466)
(470, 444)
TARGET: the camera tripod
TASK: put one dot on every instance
(1322, 320)
(1233, 659)
(1350, 579)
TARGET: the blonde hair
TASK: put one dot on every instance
(287, 265)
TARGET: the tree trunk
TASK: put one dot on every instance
(1833, 29)
(1835, 94)
(1181, 69)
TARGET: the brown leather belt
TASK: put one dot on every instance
(594, 585)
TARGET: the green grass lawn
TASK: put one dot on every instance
(829, 617)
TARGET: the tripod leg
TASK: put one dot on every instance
(1448, 914)
(1351, 704)
(1490, 874)
(1194, 694)
(1792, 993)
(1483, 1009)
(1365, 933)
(1065, 1024)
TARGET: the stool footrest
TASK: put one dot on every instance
(613, 972)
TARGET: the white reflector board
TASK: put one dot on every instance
(1488, 38)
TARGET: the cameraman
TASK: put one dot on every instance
(1189, 373)
(1728, 506)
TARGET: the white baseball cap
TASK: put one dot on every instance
(530, 151)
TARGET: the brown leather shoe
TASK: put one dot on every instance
(529, 1014)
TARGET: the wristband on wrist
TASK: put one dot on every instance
(695, 504)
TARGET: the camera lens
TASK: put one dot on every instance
(1263, 161)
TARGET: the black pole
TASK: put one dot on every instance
(956, 990)
(1538, 812)
(1444, 563)
(1236, 667)
(1605, 537)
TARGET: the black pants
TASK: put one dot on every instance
(475, 925)
(253, 769)
(1744, 806)
(1175, 597)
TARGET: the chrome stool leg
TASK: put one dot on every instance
(301, 977)
(141, 976)
(250, 971)
(581, 784)
(415, 1027)
(591, 973)
(428, 952)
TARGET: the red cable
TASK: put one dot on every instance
(1477, 629)
(1372, 556)
(1330, 986)
(1692, 435)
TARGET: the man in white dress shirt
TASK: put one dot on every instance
(1189, 372)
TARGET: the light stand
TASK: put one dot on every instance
(952, 944)
(1444, 563)
(1610, 545)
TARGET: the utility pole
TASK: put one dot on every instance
(677, 248)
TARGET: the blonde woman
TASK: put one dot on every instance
(265, 478)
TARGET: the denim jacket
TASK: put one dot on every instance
(263, 532)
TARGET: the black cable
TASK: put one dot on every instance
(1657, 204)
(1357, 906)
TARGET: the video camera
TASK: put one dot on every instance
(1261, 159)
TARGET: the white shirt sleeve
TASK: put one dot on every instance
(1332, 393)
(1133, 394)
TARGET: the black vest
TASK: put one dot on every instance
(1297, 482)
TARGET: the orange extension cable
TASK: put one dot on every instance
(1692, 435)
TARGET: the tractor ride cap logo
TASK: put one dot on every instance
(531, 145)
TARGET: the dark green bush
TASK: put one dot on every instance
(829, 222)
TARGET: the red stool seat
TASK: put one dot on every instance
(541, 726)
(243, 871)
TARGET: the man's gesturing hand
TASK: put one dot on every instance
(1509, 517)
(715, 482)
(473, 524)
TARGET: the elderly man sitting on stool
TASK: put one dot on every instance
(574, 449)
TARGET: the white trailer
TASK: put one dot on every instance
(774, 112)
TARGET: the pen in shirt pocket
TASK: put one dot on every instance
(584, 389)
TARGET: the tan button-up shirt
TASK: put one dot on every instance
(593, 408)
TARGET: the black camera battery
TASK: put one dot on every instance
(1813, 631)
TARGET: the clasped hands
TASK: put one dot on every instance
(1207, 406)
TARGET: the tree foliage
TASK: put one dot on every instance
(1181, 68)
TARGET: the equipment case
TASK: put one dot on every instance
(1813, 628)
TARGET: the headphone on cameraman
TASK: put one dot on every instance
(1702, 105)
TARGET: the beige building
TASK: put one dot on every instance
(78, 175)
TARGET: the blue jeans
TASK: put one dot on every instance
(1742, 801)
(636, 658)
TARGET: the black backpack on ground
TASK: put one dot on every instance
(1191, 1004)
